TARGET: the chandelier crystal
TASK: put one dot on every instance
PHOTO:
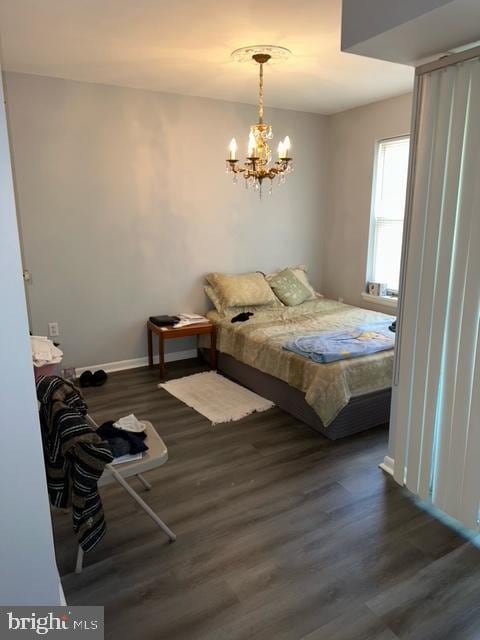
(258, 165)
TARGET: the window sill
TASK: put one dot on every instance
(383, 301)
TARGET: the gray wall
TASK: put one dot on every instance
(27, 561)
(352, 137)
(124, 206)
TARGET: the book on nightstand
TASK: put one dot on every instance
(187, 319)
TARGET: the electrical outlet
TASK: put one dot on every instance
(53, 329)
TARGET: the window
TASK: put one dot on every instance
(388, 207)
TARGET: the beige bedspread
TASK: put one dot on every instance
(327, 387)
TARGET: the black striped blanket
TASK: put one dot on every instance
(75, 457)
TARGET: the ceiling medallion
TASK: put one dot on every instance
(258, 164)
(246, 54)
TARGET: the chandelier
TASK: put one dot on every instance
(258, 165)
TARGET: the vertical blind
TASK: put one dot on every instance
(388, 209)
(436, 395)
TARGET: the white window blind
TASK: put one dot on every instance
(436, 400)
(390, 187)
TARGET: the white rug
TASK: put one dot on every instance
(216, 397)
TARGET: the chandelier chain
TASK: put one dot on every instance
(260, 96)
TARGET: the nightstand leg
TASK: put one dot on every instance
(213, 349)
(161, 356)
(150, 347)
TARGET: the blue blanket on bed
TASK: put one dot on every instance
(340, 345)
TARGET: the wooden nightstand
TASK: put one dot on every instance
(166, 333)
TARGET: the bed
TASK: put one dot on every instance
(336, 399)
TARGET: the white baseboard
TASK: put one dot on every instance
(122, 365)
(388, 465)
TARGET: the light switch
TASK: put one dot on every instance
(53, 329)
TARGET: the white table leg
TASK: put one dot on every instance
(79, 563)
(145, 483)
(118, 477)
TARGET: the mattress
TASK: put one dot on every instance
(328, 388)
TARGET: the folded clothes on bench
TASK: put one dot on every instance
(122, 442)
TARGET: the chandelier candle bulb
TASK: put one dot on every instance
(252, 151)
(281, 152)
(233, 149)
(286, 147)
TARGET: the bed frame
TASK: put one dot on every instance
(361, 413)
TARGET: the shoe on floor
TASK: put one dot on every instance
(99, 378)
(86, 379)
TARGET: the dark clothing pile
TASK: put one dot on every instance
(122, 442)
(243, 317)
(164, 321)
(75, 457)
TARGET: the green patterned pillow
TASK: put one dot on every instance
(288, 288)
(301, 272)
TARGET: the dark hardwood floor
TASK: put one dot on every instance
(281, 535)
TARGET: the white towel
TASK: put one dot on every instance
(130, 423)
(44, 351)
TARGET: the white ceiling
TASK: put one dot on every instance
(183, 46)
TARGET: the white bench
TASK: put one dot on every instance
(156, 455)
